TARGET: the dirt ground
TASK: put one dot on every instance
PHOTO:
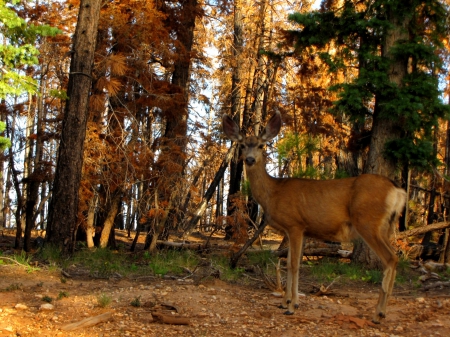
(211, 307)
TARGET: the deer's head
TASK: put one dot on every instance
(252, 147)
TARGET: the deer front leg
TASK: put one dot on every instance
(288, 290)
(290, 300)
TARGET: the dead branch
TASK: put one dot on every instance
(422, 230)
(439, 284)
(324, 251)
(235, 257)
(276, 286)
(87, 322)
(168, 319)
(324, 290)
(193, 246)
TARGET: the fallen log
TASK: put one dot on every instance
(329, 252)
(87, 322)
(438, 284)
(421, 230)
(169, 319)
(192, 246)
(319, 248)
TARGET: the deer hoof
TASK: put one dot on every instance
(296, 306)
(281, 306)
(378, 317)
(288, 313)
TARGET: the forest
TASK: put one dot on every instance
(111, 112)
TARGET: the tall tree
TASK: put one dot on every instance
(236, 165)
(62, 218)
(171, 162)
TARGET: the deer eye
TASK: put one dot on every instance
(261, 146)
(242, 146)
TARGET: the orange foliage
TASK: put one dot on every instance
(239, 221)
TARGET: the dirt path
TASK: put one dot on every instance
(212, 308)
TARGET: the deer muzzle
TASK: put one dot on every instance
(250, 161)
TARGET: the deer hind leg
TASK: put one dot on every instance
(382, 247)
(290, 300)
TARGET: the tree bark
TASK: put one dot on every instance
(236, 166)
(18, 212)
(3, 195)
(90, 229)
(172, 160)
(384, 127)
(36, 177)
(108, 225)
(63, 209)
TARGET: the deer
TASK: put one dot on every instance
(367, 206)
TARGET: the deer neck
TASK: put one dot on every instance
(261, 183)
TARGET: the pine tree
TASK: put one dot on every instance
(395, 45)
(63, 209)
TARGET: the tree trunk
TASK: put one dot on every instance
(3, 200)
(384, 127)
(90, 221)
(18, 212)
(36, 177)
(445, 255)
(236, 166)
(108, 225)
(63, 209)
(171, 162)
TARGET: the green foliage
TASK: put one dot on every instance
(296, 147)
(245, 188)
(136, 302)
(339, 174)
(263, 258)
(159, 267)
(103, 300)
(327, 270)
(14, 286)
(50, 253)
(24, 259)
(56, 93)
(47, 299)
(18, 50)
(102, 262)
(171, 261)
(222, 264)
(4, 142)
(62, 294)
(359, 33)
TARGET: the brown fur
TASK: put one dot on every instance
(335, 210)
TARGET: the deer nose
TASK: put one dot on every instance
(249, 161)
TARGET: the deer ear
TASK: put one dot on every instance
(230, 129)
(272, 127)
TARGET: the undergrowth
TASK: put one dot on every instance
(105, 263)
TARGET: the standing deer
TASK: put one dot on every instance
(335, 210)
